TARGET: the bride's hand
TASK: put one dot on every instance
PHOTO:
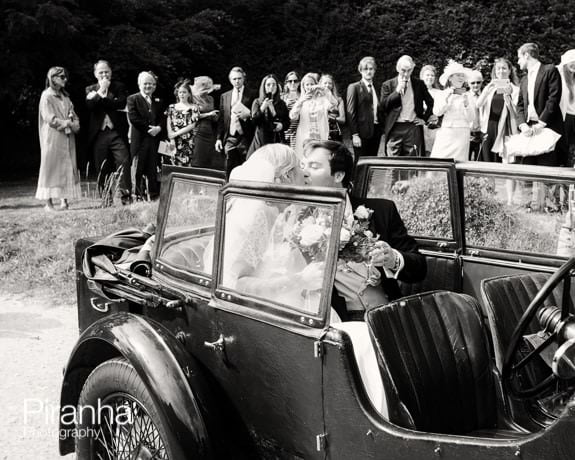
(311, 277)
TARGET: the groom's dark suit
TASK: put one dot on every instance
(143, 146)
(387, 222)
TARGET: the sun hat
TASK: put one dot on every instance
(452, 68)
(203, 85)
(568, 56)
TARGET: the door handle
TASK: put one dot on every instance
(218, 345)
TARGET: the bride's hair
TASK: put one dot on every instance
(283, 159)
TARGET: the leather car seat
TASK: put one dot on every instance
(433, 355)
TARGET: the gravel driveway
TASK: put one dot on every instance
(36, 338)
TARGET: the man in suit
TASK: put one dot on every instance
(406, 105)
(396, 256)
(108, 127)
(362, 111)
(538, 108)
(146, 117)
(538, 105)
(235, 130)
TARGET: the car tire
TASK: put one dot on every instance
(117, 417)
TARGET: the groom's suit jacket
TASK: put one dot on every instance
(387, 222)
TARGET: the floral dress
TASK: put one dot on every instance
(179, 119)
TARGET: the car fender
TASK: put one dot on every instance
(174, 378)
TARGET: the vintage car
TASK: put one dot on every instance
(475, 362)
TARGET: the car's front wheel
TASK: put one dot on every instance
(117, 418)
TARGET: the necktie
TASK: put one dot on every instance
(373, 101)
(235, 126)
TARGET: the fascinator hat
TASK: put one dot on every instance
(451, 69)
(203, 85)
(567, 57)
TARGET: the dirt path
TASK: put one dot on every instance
(36, 338)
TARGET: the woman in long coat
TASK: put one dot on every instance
(57, 125)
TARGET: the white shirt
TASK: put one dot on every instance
(370, 87)
(531, 77)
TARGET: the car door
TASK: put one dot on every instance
(512, 217)
(264, 352)
(426, 194)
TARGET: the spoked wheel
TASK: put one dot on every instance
(117, 419)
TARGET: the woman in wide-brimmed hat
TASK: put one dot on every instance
(205, 155)
(567, 103)
(458, 111)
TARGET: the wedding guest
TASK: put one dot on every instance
(181, 121)
(428, 75)
(108, 126)
(567, 104)
(476, 136)
(290, 96)
(312, 109)
(538, 102)
(497, 106)
(270, 115)
(336, 117)
(235, 129)
(205, 155)
(363, 111)
(407, 105)
(458, 111)
(145, 113)
(57, 125)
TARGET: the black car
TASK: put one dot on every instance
(476, 361)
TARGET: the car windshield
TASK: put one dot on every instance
(276, 251)
(189, 230)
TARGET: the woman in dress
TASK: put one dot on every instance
(458, 111)
(497, 110)
(567, 102)
(428, 75)
(270, 115)
(181, 121)
(312, 109)
(336, 117)
(290, 96)
(250, 221)
(205, 155)
(57, 125)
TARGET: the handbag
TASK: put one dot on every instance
(167, 148)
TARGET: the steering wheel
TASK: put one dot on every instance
(511, 369)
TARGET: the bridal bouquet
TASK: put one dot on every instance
(310, 234)
(356, 240)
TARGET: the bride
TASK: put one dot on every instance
(258, 258)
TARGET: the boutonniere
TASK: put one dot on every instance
(356, 240)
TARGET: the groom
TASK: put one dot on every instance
(330, 164)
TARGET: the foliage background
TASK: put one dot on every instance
(177, 38)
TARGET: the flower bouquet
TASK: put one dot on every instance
(357, 241)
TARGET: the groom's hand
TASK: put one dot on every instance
(383, 255)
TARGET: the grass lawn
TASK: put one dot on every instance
(37, 247)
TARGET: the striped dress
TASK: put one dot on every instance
(290, 99)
